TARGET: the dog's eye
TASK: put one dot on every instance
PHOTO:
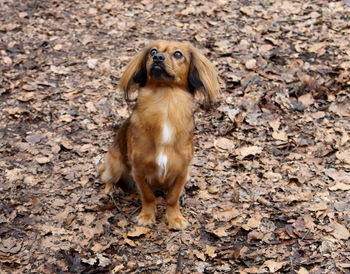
(153, 52)
(177, 54)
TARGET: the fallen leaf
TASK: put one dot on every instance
(103, 261)
(343, 156)
(43, 160)
(248, 150)
(90, 261)
(302, 270)
(223, 143)
(280, 135)
(210, 251)
(340, 231)
(253, 222)
(275, 124)
(92, 63)
(10, 245)
(321, 206)
(199, 255)
(340, 109)
(59, 70)
(138, 231)
(339, 186)
(97, 248)
(306, 99)
(220, 232)
(14, 174)
(118, 268)
(255, 235)
(273, 266)
(227, 214)
(66, 118)
(90, 107)
(250, 64)
(339, 176)
(58, 47)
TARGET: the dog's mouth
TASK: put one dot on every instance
(158, 71)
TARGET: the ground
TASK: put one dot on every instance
(269, 187)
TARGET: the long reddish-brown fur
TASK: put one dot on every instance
(154, 146)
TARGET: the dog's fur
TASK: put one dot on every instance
(154, 146)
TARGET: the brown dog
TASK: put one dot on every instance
(154, 146)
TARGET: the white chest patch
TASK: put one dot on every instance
(162, 161)
(166, 134)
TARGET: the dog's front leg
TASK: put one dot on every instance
(175, 219)
(147, 215)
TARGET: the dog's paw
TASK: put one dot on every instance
(146, 219)
(109, 189)
(177, 222)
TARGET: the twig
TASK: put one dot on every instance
(305, 235)
(291, 20)
(180, 260)
(134, 211)
(114, 201)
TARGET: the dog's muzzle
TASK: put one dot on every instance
(157, 68)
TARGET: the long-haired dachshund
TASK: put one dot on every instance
(154, 146)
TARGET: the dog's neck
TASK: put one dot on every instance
(167, 111)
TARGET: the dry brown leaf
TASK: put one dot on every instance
(223, 143)
(14, 174)
(66, 118)
(90, 107)
(340, 231)
(255, 235)
(343, 156)
(103, 261)
(249, 270)
(253, 222)
(92, 63)
(339, 186)
(280, 135)
(248, 150)
(250, 64)
(338, 176)
(321, 206)
(210, 251)
(138, 231)
(10, 245)
(302, 270)
(220, 231)
(118, 268)
(97, 248)
(43, 160)
(306, 99)
(227, 214)
(58, 47)
(59, 70)
(275, 124)
(199, 255)
(27, 96)
(273, 266)
(340, 109)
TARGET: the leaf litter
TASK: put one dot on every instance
(269, 187)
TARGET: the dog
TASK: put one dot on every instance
(154, 146)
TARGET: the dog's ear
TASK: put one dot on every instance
(135, 74)
(202, 77)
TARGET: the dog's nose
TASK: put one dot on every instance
(158, 58)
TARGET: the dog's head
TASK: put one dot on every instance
(173, 64)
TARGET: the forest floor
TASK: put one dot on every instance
(270, 183)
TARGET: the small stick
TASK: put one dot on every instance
(114, 201)
(180, 260)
